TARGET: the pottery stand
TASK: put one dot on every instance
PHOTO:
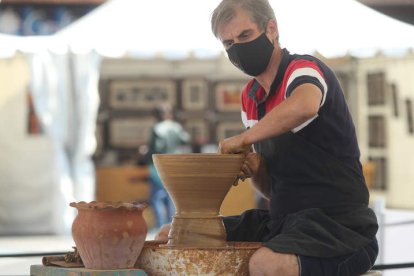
(232, 259)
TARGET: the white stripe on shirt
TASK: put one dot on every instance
(307, 71)
(247, 123)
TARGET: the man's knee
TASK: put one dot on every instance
(266, 262)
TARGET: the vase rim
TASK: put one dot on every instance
(134, 205)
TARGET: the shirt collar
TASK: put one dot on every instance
(256, 89)
(280, 72)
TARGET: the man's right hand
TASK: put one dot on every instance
(162, 234)
(234, 144)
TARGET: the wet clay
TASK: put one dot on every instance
(197, 184)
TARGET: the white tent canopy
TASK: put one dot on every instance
(334, 28)
(171, 28)
(176, 27)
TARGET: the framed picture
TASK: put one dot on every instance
(195, 94)
(228, 96)
(197, 128)
(130, 132)
(229, 129)
(141, 94)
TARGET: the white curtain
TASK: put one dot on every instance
(65, 94)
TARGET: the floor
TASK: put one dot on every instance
(29, 244)
(396, 244)
(397, 241)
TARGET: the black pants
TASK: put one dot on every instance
(349, 265)
(330, 256)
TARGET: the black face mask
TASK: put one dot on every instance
(251, 57)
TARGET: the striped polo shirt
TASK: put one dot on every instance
(332, 129)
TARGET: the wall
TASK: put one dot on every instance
(203, 92)
(399, 149)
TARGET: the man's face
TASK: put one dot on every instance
(239, 29)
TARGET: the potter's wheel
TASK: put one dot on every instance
(232, 259)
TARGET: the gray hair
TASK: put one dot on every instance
(260, 10)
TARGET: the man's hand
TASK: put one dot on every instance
(235, 144)
(251, 165)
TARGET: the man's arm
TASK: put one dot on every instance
(302, 105)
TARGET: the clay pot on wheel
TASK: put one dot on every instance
(198, 184)
(109, 235)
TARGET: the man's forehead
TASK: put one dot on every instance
(239, 23)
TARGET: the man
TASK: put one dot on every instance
(305, 159)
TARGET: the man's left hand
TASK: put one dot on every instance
(251, 165)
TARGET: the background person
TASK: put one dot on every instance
(167, 136)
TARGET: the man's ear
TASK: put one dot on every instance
(272, 29)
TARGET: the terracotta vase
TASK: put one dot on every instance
(198, 184)
(109, 235)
